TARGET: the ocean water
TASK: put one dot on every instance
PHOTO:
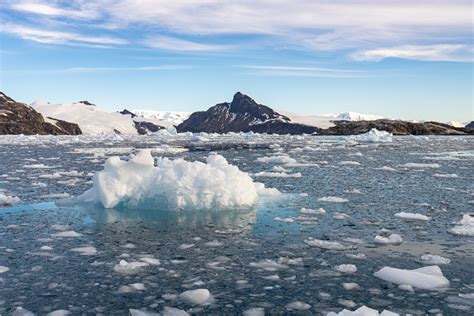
(246, 258)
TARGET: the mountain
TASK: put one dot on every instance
(18, 118)
(243, 114)
(395, 127)
(327, 120)
(470, 125)
(167, 117)
(90, 118)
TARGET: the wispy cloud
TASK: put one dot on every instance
(125, 69)
(58, 37)
(291, 71)
(176, 44)
(48, 9)
(438, 52)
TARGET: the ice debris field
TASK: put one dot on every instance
(236, 224)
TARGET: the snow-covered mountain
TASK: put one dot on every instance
(326, 120)
(174, 118)
(90, 118)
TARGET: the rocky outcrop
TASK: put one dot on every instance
(127, 112)
(395, 127)
(144, 127)
(243, 114)
(18, 118)
(470, 125)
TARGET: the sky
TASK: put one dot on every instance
(409, 59)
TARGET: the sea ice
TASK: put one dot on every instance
(374, 136)
(308, 211)
(413, 165)
(428, 278)
(412, 216)
(465, 227)
(297, 305)
(176, 183)
(20, 311)
(434, 259)
(325, 244)
(7, 200)
(59, 312)
(68, 233)
(282, 159)
(333, 199)
(4, 269)
(129, 268)
(346, 268)
(256, 311)
(268, 265)
(393, 239)
(363, 311)
(350, 286)
(172, 311)
(196, 297)
(86, 251)
(266, 174)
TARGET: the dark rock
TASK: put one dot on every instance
(87, 103)
(470, 125)
(144, 127)
(127, 112)
(18, 118)
(243, 114)
(395, 127)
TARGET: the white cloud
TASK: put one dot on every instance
(438, 52)
(48, 9)
(58, 37)
(292, 71)
(176, 44)
(108, 69)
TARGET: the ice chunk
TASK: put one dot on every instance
(325, 244)
(428, 278)
(196, 297)
(412, 216)
(308, 211)
(86, 251)
(174, 183)
(268, 265)
(129, 268)
(373, 136)
(333, 199)
(266, 174)
(413, 165)
(285, 219)
(465, 227)
(20, 311)
(346, 268)
(363, 311)
(7, 200)
(393, 239)
(172, 311)
(282, 159)
(4, 269)
(350, 286)
(59, 312)
(68, 233)
(256, 311)
(152, 261)
(137, 312)
(301, 306)
(434, 259)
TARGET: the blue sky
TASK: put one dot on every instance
(402, 59)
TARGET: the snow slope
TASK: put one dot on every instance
(325, 120)
(174, 118)
(91, 119)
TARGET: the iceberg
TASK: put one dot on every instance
(464, 227)
(427, 278)
(374, 136)
(173, 184)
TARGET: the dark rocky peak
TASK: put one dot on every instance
(470, 125)
(87, 103)
(246, 105)
(127, 112)
(5, 99)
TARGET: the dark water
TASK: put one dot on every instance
(243, 257)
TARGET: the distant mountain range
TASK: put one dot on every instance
(242, 114)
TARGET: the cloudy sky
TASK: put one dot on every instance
(409, 59)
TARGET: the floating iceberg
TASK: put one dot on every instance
(464, 227)
(173, 184)
(363, 311)
(374, 136)
(427, 278)
(7, 200)
(412, 216)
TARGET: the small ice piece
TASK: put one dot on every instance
(20, 311)
(297, 305)
(406, 287)
(274, 277)
(465, 227)
(387, 168)
(213, 243)
(256, 311)
(185, 246)
(4, 269)
(266, 174)
(340, 216)
(268, 265)
(346, 303)
(8, 200)
(46, 248)
(393, 239)
(59, 312)
(308, 211)
(60, 228)
(173, 311)
(346, 268)
(333, 199)
(137, 312)
(363, 311)
(67, 234)
(129, 246)
(434, 260)
(196, 297)
(374, 136)
(412, 216)
(325, 244)
(285, 219)
(86, 251)
(349, 163)
(350, 286)
(129, 268)
(446, 175)
(413, 165)
(152, 261)
(427, 278)
(281, 159)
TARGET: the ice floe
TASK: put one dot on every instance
(67, 234)
(363, 311)
(434, 259)
(325, 244)
(465, 227)
(4, 269)
(412, 216)
(173, 311)
(333, 199)
(176, 183)
(297, 305)
(196, 297)
(311, 212)
(255, 311)
(129, 268)
(282, 159)
(374, 136)
(427, 278)
(86, 251)
(266, 174)
(392, 239)
(414, 165)
(7, 200)
(346, 268)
